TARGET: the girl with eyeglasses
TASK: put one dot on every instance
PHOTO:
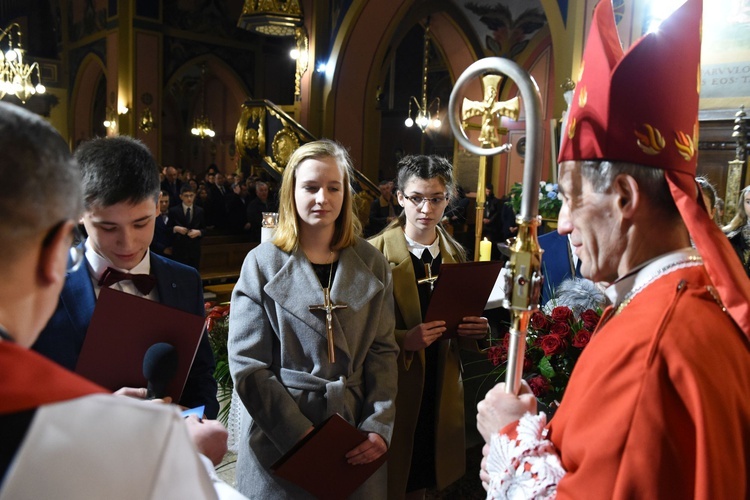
(427, 449)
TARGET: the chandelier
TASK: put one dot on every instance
(202, 126)
(15, 74)
(424, 118)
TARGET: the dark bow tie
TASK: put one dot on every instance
(143, 282)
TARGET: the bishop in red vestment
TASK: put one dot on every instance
(657, 406)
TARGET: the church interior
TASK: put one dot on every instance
(240, 84)
(153, 70)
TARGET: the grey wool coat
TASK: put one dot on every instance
(278, 358)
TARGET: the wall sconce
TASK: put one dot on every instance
(301, 54)
(15, 75)
(424, 117)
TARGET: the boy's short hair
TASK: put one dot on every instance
(186, 188)
(115, 170)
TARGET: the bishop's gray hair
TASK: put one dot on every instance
(651, 182)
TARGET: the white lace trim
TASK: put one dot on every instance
(524, 467)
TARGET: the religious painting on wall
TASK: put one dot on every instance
(505, 27)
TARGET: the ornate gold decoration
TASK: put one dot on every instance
(246, 137)
(490, 109)
(303, 58)
(284, 143)
(583, 97)
(146, 123)
(652, 142)
(271, 17)
(251, 138)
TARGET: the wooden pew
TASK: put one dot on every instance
(221, 262)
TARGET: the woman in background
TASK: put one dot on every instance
(278, 346)
(428, 447)
(738, 229)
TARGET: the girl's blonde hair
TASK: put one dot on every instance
(348, 227)
(740, 218)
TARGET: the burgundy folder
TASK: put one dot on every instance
(461, 290)
(122, 329)
(317, 463)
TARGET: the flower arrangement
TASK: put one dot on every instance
(553, 344)
(217, 328)
(557, 334)
(550, 200)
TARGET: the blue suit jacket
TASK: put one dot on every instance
(557, 262)
(178, 286)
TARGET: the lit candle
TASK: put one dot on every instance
(485, 249)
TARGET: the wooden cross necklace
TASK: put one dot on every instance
(329, 307)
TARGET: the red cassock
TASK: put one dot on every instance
(29, 380)
(659, 403)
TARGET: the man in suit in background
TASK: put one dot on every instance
(188, 223)
(172, 185)
(119, 212)
(163, 235)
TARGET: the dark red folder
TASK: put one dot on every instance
(122, 329)
(461, 290)
(317, 463)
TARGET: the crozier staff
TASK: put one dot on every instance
(650, 410)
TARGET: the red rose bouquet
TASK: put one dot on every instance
(217, 329)
(554, 342)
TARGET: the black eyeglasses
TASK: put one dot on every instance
(419, 201)
(76, 252)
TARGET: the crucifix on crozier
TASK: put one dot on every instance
(329, 307)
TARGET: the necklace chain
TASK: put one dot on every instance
(693, 260)
(330, 270)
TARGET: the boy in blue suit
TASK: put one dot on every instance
(121, 191)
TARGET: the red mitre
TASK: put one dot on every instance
(642, 107)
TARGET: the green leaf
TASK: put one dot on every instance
(545, 367)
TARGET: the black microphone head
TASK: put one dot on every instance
(159, 367)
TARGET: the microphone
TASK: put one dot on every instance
(159, 367)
